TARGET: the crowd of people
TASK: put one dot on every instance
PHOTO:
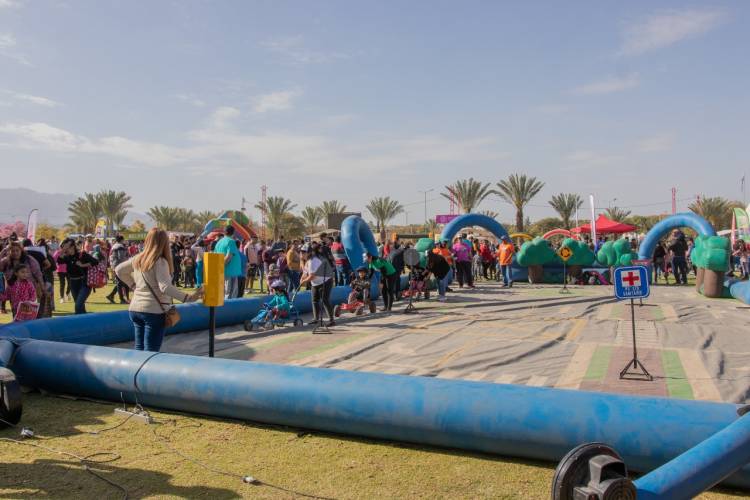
(87, 264)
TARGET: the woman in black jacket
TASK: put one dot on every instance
(78, 263)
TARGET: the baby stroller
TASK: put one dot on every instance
(267, 320)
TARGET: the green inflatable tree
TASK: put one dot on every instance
(616, 254)
(422, 246)
(534, 254)
(711, 256)
(582, 254)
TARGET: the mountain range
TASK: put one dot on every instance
(16, 203)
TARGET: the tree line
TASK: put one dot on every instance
(518, 190)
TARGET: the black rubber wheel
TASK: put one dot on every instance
(11, 406)
(249, 326)
(373, 307)
(298, 322)
(573, 469)
(337, 311)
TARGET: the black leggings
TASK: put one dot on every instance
(322, 293)
(464, 273)
(390, 286)
(63, 278)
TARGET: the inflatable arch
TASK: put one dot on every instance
(468, 220)
(523, 236)
(357, 240)
(687, 219)
(557, 232)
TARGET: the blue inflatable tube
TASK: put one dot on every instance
(114, 327)
(738, 289)
(530, 422)
(468, 220)
(677, 221)
(357, 240)
(701, 467)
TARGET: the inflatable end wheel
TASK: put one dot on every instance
(11, 405)
(373, 307)
(592, 470)
(337, 311)
(298, 322)
(248, 326)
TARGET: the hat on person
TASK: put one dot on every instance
(504, 238)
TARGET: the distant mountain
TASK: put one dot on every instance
(16, 203)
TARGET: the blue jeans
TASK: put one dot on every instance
(294, 277)
(343, 271)
(443, 283)
(199, 274)
(80, 292)
(230, 287)
(507, 275)
(149, 330)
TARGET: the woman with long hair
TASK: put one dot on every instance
(77, 262)
(149, 276)
(15, 254)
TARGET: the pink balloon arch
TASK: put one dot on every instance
(559, 232)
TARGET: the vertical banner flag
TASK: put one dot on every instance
(31, 225)
(593, 219)
(742, 221)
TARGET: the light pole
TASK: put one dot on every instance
(425, 202)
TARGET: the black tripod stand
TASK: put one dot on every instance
(635, 370)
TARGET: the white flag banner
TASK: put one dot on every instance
(593, 219)
(31, 226)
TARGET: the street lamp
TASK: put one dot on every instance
(425, 202)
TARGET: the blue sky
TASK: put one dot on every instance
(198, 103)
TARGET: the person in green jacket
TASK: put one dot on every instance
(388, 281)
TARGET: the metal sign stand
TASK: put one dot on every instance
(565, 280)
(638, 371)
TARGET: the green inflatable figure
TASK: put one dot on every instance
(711, 256)
(424, 245)
(616, 254)
(582, 254)
(534, 254)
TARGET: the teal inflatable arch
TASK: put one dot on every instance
(469, 220)
(677, 221)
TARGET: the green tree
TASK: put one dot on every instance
(137, 226)
(468, 193)
(543, 225)
(432, 227)
(293, 226)
(519, 190)
(311, 217)
(616, 214)
(187, 220)
(85, 212)
(490, 213)
(383, 210)
(331, 207)
(566, 204)
(644, 223)
(114, 206)
(167, 218)
(716, 210)
(276, 208)
(204, 217)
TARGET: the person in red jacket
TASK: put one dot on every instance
(488, 260)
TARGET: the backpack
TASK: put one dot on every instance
(396, 258)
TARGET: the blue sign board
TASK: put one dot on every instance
(631, 282)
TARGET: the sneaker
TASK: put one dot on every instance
(62, 300)
(110, 299)
(442, 298)
(331, 323)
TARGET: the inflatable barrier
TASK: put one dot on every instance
(529, 422)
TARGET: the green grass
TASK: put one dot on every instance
(146, 465)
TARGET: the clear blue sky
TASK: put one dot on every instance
(198, 103)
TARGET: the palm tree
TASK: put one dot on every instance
(519, 190)
(311, 216)
(293, 226)
(204, 217)
(187, 220)
(276, 207)
(432, 227)
(331, 207)
(566, 204)
(113, 205)
(468, 193)
(616, 214)
(715, 210)
(490, 213)
(85, 212)
(383, 209)
(167, 218)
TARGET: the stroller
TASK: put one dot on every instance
(265, 318)
(417, 285)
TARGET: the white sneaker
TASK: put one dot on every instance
(442, 299)
(62, 300)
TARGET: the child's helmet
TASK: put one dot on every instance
(278, 285)
(363, 269)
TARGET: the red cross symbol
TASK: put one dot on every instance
(631, 279)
